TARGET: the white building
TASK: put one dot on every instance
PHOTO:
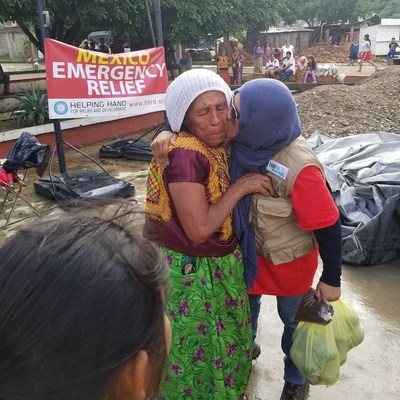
(381, 35)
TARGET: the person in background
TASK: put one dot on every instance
(172, 65)
(287, 47)
(5, 80)
(117, 45)
(84, 44)
(353, 52)
(223, 66)
(186, 54)
(82, 309)
(393, 45)
(281, 237)
(287, 69)
(102, 47)
(271, 66)
(237, 65)
(366, 55)
(92, 45)
(311, 69)
(258, 55)
(267, 51)
(191, 201)
(277, 53)
(301, 66)
(335, 39)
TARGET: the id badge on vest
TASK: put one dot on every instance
(279, 170)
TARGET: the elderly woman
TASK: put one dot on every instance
(192, 202)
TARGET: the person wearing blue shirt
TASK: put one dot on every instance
(353, 56)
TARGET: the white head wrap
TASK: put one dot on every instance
(186, 87)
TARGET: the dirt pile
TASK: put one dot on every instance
(327, 53)
(342, 110)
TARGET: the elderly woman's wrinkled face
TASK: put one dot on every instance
(207, 118)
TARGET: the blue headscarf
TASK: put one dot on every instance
(268, 122)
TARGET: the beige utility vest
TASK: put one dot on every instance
(278, 236)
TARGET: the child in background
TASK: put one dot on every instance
(237, 65)
(258, 54)
(393, 45)
(223, 67)
(302, 64)
(366, 54)
(311, 68)
(353, 52)
(271, 66)
(301, 67)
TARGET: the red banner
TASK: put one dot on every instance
(85, 83)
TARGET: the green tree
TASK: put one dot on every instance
(383, 8)
(188, 21)
(319, 12)
(69, 17)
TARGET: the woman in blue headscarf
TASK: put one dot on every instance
(281, 236)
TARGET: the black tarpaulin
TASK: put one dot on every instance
(363, 173)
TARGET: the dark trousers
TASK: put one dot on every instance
(5, 79)
(287, 308)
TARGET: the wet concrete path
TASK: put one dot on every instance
(372, 370)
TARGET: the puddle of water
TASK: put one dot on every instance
(374, 289)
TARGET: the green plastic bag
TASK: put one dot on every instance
(315, 353)
(347, 328)
(318, 350)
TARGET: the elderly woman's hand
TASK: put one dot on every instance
(256, 183)
(159, 147)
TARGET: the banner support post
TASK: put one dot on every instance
(158, 23)
(56, 122)
(59, 145)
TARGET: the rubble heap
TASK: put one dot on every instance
(327, 53)
(342, 110)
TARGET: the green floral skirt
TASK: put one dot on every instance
(208, 308)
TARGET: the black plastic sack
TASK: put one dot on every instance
(133, 149)
(363, 174)
(83, 184)
(313, 310)
(28, 152)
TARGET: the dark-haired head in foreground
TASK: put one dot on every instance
(81, 310)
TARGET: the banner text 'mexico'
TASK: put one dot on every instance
(95, 58)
